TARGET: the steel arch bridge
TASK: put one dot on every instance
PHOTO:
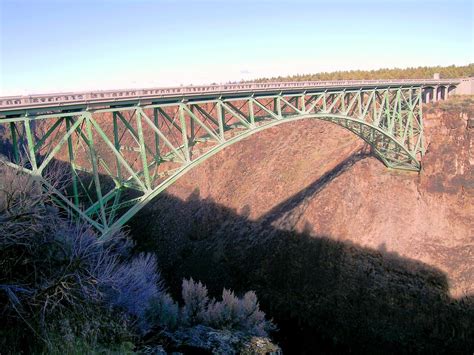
(124, 149)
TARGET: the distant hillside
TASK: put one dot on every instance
(451, 71)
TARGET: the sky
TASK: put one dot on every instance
(72, 45)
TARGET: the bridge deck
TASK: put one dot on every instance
(12, 105)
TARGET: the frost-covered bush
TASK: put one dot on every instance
(241, 314)
(55, 272)
(196, 301)
(133, 286)
(231, 313)
(62, 290)
(163, 312)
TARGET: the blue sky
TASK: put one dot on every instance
(63, 45)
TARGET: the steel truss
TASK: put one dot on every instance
(122, 157)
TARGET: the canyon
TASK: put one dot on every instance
(344, 253)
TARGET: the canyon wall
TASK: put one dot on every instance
(345, 254)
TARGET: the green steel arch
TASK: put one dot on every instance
(121, 157)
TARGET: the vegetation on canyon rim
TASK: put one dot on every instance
(64, 291)
(451, 71)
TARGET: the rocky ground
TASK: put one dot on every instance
(335, 244)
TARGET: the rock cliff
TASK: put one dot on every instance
(339, 248)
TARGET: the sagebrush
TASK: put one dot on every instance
(62, 290)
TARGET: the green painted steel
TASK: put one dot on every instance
(119, 158)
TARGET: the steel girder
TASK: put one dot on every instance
(119, 158)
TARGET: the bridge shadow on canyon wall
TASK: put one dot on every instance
(326, 296)
(287, 213)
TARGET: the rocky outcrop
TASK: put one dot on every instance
(201, 339)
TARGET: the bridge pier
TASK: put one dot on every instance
(432, 94)
(426, 96)
(442, 93)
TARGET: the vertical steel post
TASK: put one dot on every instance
(408, 131)
(117, 145)
(191, 126)
(31, 144)
(16, 155)
(95, 170)
(400, 116)
(375, 114)
(343, 101)
(278, 106)
(420, 120)
(220, 118)
(376, 98)
(70, 146)
(251, 111)
(157, 137)
(395, 113)
(387, 108)
(184, 132)
(141, 142)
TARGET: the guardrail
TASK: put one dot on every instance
(58, 99)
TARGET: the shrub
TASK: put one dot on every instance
(232, 313)
(59, 285)
(133, 286)
(196, 301)
(163, 312)
(62, 290)
(241, 314)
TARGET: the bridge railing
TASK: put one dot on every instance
(56, 99)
